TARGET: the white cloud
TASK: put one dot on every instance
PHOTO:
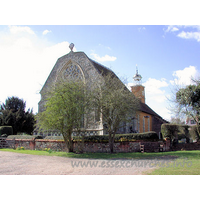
(153, 86)
(193, 31)
(19, 29)
(26, 62)
(153, 89)
(45, 32)
(156, 96)
(154, 92)
(141, 28)
(172, 28)
(190, 35)
(104, 58)
(184, 77)
(106, 47)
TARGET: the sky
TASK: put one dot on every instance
(166, 56)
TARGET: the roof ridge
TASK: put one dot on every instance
(150, 111)
(101, 64)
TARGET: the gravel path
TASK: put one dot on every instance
(24, 164)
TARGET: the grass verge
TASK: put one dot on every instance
(133, 155)
(188, 163)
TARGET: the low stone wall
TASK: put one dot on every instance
(40, 144)
(56, 145)
(26, 143)
(104, 147)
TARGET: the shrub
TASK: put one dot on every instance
(6, 130)
(148, 136)
(193, 133)
(175, 131)
(54, 138)
(24, 137)
(169, 130)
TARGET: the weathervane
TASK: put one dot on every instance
(71, 46)
(136, 69)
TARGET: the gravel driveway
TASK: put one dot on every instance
(24, 164)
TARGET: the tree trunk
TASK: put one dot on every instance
(111, 142)
(68, 141)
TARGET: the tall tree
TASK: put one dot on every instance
(64, 110)
(188, 99)
(13, 113)
(115, 103)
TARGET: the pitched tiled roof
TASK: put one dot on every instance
(101, 68)
(104, 71)
(145, 108)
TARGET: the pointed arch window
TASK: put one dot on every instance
(71, 71)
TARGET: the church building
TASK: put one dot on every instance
(79, 65)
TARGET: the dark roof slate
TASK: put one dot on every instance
(145, 108)
(101, 68)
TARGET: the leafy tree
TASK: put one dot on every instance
(13, 113)
(188, 99)
(116, 104)
(64, 110)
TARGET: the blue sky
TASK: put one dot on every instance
(165, 55)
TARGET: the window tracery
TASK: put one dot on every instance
(72, 71)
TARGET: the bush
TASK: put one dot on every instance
(169, 130)
(147, 136)
(6, 130)
(194, 133)
(175, 131)
(30, 137)
(54, 138)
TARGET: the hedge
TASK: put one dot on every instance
(54, 138)
(147, 136)
(6, 130)
(175, 131)
(193, 133)
(24, 137)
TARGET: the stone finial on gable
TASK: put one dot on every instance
(71, 46)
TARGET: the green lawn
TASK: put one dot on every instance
(187, 162)
(134, 155)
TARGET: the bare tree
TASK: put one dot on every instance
(114, 102)
(188, 99)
